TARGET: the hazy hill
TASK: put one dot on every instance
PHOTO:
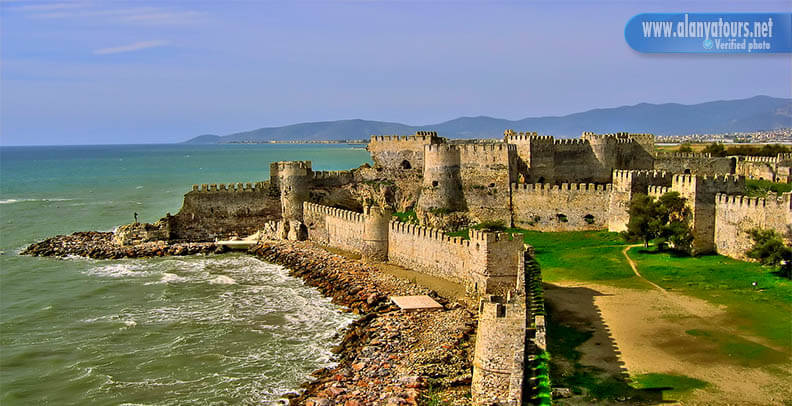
(753, 114)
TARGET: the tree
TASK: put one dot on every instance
(772, 150)
(675, 216)
(769, 249)
(666, 220)
(715, 149)
(685, 147)
(642, 225)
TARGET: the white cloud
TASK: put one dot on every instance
(136, 46)
(132, 15)
(50, 6)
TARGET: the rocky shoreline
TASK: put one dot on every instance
(386, 356)
(100, 245)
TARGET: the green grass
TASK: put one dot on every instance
(407, 216)
(760, 188)
(593, 256)
(673, 386)
(762, 310)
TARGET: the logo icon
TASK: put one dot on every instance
(708, 43)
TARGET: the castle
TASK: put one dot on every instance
(523, 180)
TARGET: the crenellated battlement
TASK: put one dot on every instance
(320, 175)
(740, 201)
(570, 141)
(654, 190)
(348, 215)
(784, 157)
(492, 237)
(761, 159)
(468, 148)
(478, 237)
(232, 187)
(441, 148)
(427, 233)
(616, 135)
(629, 175)
(286, 165)
(683, 179)
(473, 148)
(419, 136)
(668, 155)
(549, 187)
(528, 136)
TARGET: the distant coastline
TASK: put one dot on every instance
(351, 142)
(755, 114)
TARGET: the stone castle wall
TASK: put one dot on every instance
(334, 227)
(589, 159)
(627, 184)
(473, 176)
(736, 215)
(774, 169)
(220, 210)
(486, 174)
(486, 263)
(401, 152)
(694, 163)
(700, 192)
(565, 207)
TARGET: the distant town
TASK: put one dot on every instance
(778, 136)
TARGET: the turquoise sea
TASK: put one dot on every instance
(227, 329)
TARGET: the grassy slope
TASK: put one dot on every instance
(763, 310)
(595, 256)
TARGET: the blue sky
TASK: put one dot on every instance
(88, 72)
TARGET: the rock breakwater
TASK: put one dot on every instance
(99, 245)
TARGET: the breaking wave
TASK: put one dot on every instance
(9, 201)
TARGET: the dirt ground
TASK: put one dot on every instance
(654, 331)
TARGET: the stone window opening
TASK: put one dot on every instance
(687, 171)
(405, 164)
(434, 183)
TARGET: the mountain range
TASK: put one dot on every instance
(757, 113)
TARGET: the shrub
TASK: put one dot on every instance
(769, 249)
(491, 225)
(761, 187)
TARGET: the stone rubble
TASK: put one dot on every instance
(386, 357)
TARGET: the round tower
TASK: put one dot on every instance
(500, 336)
(375, 233)
(293, 180)
(442, 185)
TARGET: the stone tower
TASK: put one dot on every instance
(442, 184)
(293, 179)
(375, 233)
(498, 361)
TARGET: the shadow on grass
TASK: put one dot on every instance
(672, 253)
(573, 320)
